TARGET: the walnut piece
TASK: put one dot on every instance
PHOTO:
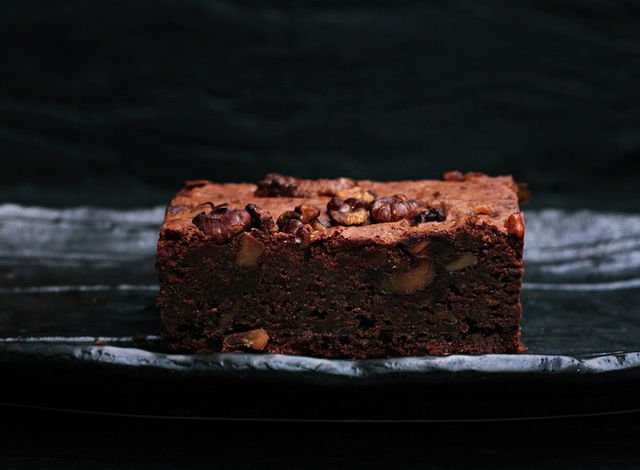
(185, 211)
(464, 261)
(413, 280)
(256, 340)
(249, 251)
(290, 222)
(348, 212)
(301, 222)
(319, 225)
(330, 187)
(356, 192)
(260, 218)
(416, 246)
(275, 185)
(431, 214)
(307, 212)
(223, 224)
(394, 208)
(515, 224)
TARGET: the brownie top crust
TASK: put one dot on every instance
(419, 207)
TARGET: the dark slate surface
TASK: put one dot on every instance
(136, 97)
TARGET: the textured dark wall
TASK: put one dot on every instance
(127, 99)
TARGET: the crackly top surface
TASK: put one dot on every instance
(475, 198)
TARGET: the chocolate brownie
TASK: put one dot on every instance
(343, 268)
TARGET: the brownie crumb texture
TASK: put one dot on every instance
(344, 268)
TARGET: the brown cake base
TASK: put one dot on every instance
(384, 289)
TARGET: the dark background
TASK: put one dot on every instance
(115, 443)
(117, 103)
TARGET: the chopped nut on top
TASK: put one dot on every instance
(275, 185)
(348, 212)
(289, 222)
(356, 192)
(394, 208)
(432, 214)
(223, 224)
(261, 219)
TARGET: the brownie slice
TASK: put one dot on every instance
(343, 268)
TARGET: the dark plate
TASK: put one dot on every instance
(80, 332)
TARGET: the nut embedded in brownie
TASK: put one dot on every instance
(343, 268)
